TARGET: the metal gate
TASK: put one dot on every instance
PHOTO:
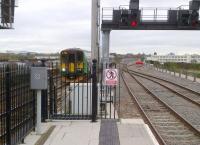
(79, 99)
(109, 96)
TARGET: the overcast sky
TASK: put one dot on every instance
(51, 25)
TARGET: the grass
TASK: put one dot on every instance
(191, 69)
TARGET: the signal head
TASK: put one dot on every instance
(134, 24)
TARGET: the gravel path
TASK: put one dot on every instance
(128, 108)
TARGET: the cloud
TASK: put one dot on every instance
(48, 25)
(184, 41)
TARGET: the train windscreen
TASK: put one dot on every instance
(79, 56)
(64, 58)
(71, 57)
(67, 58)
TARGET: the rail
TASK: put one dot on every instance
(168, 112)
(189, 89)
(145, 116)
(174, 90)
(170, 108)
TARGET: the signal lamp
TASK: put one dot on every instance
(134, 24)
(194, 23)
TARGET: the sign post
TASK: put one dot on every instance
(38, 83)
(39, 106)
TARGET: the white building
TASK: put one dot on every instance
(175, 58)
(47, 57)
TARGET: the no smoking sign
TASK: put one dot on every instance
(111, 77)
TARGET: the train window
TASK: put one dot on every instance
(71, 57)
(79, 56)
(64, 57)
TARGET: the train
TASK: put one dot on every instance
(74, 65)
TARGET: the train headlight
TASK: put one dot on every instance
(63, 69)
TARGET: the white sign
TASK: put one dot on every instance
(111, 77)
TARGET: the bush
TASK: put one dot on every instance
(179, 66)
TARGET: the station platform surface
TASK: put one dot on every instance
(135, 132)
(75, 133)
(126, 132)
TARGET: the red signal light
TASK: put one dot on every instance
(194, 23)
(134, 24)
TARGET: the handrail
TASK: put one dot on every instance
(180, 7)
(147, 13)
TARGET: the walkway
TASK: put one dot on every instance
(105, 132)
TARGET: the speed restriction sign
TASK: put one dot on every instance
(111, 77)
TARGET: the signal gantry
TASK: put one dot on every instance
(7, 8)
(134, 18)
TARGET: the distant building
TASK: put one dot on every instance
(49, 57)
(175, 58)
(21, 52)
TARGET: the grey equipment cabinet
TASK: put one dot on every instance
(39, 78)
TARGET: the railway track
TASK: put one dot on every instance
(197, 92)
(186, 93)
(168, 126)
(182, 102)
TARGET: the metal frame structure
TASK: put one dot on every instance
(132, 17)
(17, 104)
(7, 8)
(80, 99)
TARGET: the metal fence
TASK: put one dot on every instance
(17, 104)
(67, 99)
(76, 99)
(80, 99)
(109, 96)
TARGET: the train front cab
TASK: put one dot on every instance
(72, 64)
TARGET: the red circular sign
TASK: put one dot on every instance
(111, 74)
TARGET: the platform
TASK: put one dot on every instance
(125, 132)
(135, 131)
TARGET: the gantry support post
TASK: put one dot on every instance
(95, 30)
(105, 46)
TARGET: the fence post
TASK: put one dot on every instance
(44, 101)
(8, 106)
(195, 77)
(51, 93)
(44, 105)
(186, 75)
(94, 91)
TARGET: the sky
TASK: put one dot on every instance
(52, 25)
